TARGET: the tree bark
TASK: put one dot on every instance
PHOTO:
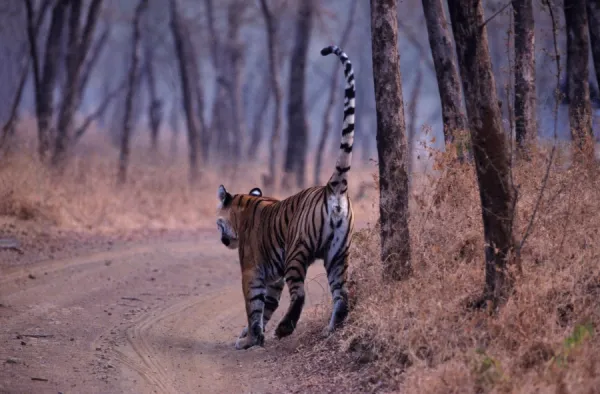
(446, 71)
(391, 141)
(333, 93)
(256, 135)
(79, 43)
(155, 105)
(297, 141)
(45, 77)
(525, 94)
(131, 87)
(186, 89)
(235, 59)
(580, 111)
(488, 141)
(273, 47)
(593, 11)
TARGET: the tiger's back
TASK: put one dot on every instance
(279, 239)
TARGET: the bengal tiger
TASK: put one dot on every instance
(279, 239)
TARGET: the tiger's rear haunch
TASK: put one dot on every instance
(278, 240)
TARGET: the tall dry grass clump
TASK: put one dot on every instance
(424, 336)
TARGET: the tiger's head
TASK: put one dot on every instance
(227, 215)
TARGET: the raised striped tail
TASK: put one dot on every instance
(339, 180)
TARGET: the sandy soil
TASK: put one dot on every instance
(156, 314)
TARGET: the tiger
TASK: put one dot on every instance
(277, 240)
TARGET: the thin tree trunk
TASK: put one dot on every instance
(446, 71)
(580, 111)
(95, 53)
(174, 123)
(186, 89)
(593, 11)
(45, 77)
(78, 48)
(297, 141)
(391, 141)
(488, 141)
(412, 122)
(219, 110)
(235, 59)
(525, 94)
(155, 105)
(9, 126)
(333, 93)
(132, 84)
(272, 44)
(259, 118)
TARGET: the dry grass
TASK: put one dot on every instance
(86, 198)
(420, 336)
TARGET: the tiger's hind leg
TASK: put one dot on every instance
(271, 303)
(336, 265)
(255, 291)
(295, 274)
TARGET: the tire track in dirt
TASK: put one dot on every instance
(175, 335)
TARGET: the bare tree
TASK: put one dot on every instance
(186, 89)
(235, 60)
(272, 37)
(155, 105)
(593, 13)
(580, 111)
(45, 78)
(297, 141)
(265, 97)
(488, 141)
(78, 45)
(131, 87)
(9, 125)
(442, 51)
(391, 141)
(333, 93)
(525, 95)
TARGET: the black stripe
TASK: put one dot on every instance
(342, 170)
(346, 147)
(259, 297)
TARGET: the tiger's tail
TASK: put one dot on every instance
(339, 180)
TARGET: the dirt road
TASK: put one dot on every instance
(153, 317)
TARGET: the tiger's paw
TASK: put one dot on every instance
(249, 341)
(285, 328)
(244, 333)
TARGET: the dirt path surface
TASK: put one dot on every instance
(148, 317)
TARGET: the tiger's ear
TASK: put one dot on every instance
(256, 192)
(222, 194)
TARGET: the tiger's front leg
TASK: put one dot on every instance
(254, 294)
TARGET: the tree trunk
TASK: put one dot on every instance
(174, 124)
(186, 89)
(488, 142)
(273, 47)
(593, 11)
(45, 77)
(297, 141)
(333, 93)
(132, 84)
(580, 111)
(413, 104)
(442, 51)
(78, 48)
(391, 141)
(155, 105)
(256, 135)
(525, 95)
(218, 127)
